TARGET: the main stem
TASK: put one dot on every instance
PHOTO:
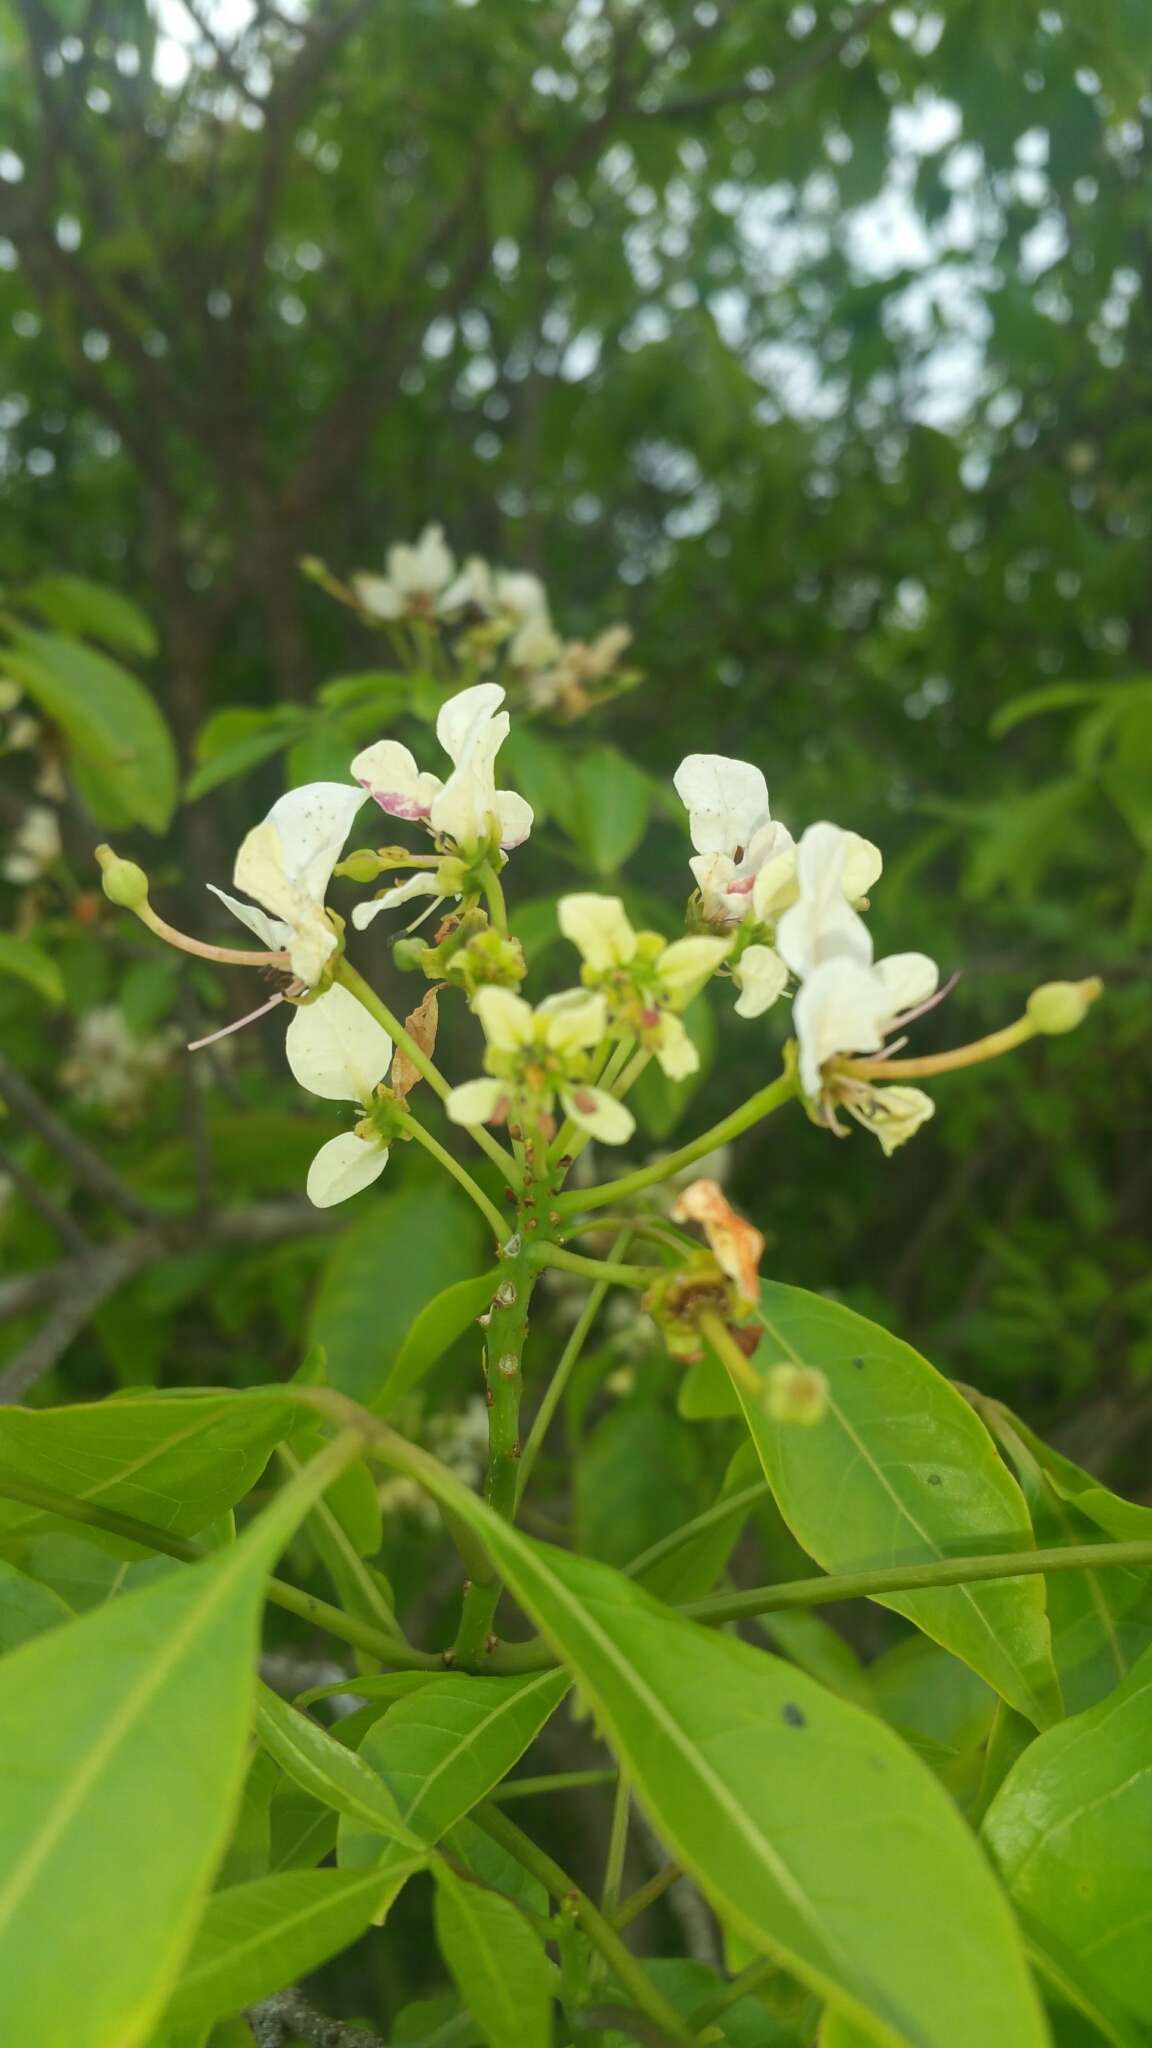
(503, 1387)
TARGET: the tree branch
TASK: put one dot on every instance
(288, 2014)
(86, 1164)
(687, 106)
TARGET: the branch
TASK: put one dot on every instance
(288, 2014)
(688, 105)
(67, 1230)
(86, 1164)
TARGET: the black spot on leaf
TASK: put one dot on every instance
(794, 1715)
(934, 1479)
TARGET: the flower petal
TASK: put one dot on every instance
(422, 569)
(342, 1167)
(676, 1053)
(515, 815)
(726, 801)
(908, 979)
(686, 964)
(863, 867)
(521, 593)
(336, 1049)
(390, 775)
(573, 1020)
(423, 884)
(599, 927)
(736, 1244)
(312, 823)
(842, 1007)
(599, 1114)
(892, 1114)
(260, 870)
(463, 715)
(271, 930)
(478, 1102)
(505, 1018)
(775, 888)
(378, 596)
(822, 925)
(762, 976)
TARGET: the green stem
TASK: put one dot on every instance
(356, 985)
(596, 1269)
(757, 1106)
(631, 1073)
(320, 1613)
(494, 897)
(569, 1358)
(558, 1781)
(638, 1902)
(503, 1381)
(629, 1973)
(760, 1972)
(460, 1174)
(617, 1847)
(744, 1377)
(722, 1511)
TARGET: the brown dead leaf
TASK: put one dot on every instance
(422, 1027)
(736, 1244)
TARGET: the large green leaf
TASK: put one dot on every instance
(109, 719)
(900, 1471)
(406, 1247)
(177, 1462)
(257, 1937)
(327, 1769)
(606, 809)
(124, 1738)
(637, 1479)
(818, 1836)
(27, 1608)
(1070, 1829)
(444, 1747)
(498, 1961)
(26, 962)
(93, 611)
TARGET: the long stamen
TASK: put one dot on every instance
(922, 1009)
(226, 1030)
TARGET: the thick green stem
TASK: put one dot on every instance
(293, 1599)
(494, 897)
(600, 1270)
(503, 1384)
(751, 1112)
(568, 1360)
(460, 1174)
(639, 1901)
(629, 1973)
(356, 985)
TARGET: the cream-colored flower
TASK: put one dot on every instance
(286, 864)
(34, 847)
(338, 1051)
(645, 980)
(418, 577)
(536, 1055)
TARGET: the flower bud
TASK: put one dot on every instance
(795, 1394)
(409, 954)
(1060, 1006)
(361, 866)
(125, 884)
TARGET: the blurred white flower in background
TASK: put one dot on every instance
(109, 1068)
(419, 575)
(34, 846)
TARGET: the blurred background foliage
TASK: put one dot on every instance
(812, 344)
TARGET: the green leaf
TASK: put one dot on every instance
(609, 800)
(26, 962)
(257, 1937)
(435, 1329)
(1051, 697)
(498, 1962)
(687, 1571)
(224, 764)
(128, 1727)
(27, 1609)
(93, 611)
(175, 1461)
(332, 1773)
(637, 1479)
(939, 1706)
(384, 1270)
(819, 1839)
(444, 1747)
(900, 1471)
(1069, 1830)
(109, 719)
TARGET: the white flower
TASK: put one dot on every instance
(893, 1115)
(286, 864)
(338, 1051)
(645, 980)
(417, 579)
(846, 1004)
(109, 1068)
(535, 1055)
(465, 814)
(34, 845)
(735, 837)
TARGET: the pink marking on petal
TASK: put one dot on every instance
(395, 805)
(584, 1101)
(226, 1030)
(743, 887)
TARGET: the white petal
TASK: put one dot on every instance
(908, 979)
(312, 823)
(775, 887)
(473, 586)
(521, 593)
(822, 925)
(863, 866)
(893, 1115)
(535, 644)
(573, 1020)
(342, 1167)
(312, 945)
(269, 929)
(261, 871)
(726, 801)
(423, 569)
(423, 884)
(390, 775)
(599, 927)
(599, 1114)
(505, 1019)
(336, 1049)
(378, 596)
(676, 1053)
(477, 1102)
(763, 977)
(459, 718)
(515, 816)
(686, 964)
(841, 1008)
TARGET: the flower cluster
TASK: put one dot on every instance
(112, 1070)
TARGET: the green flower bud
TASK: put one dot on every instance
(1060, 1006)
(124, 883)
(796, 1394)
(409, 955)
(361, 866)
